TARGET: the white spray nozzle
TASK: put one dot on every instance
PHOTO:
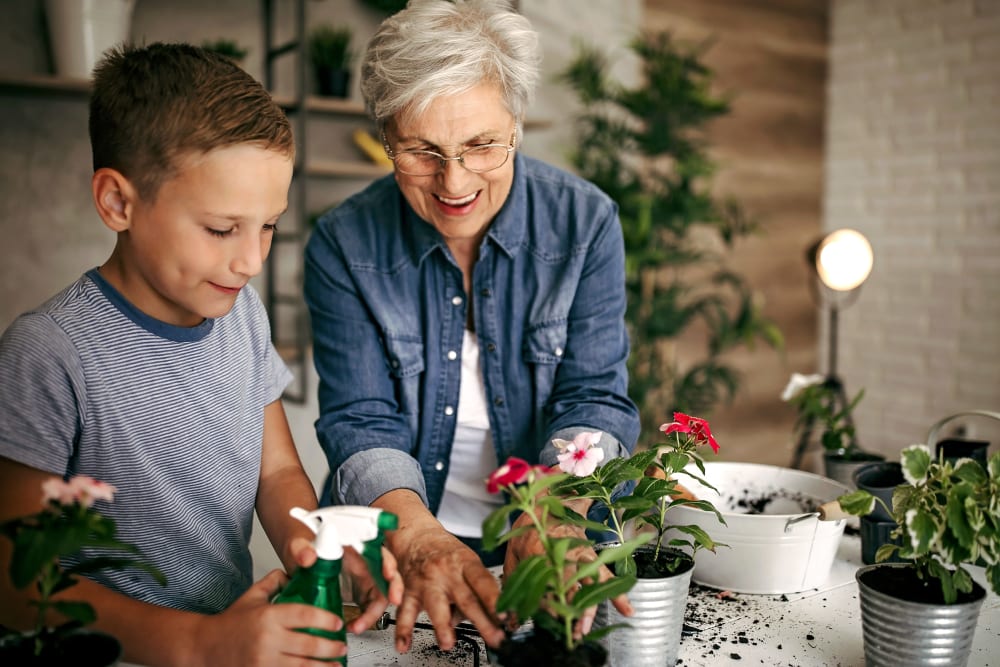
(344, 526)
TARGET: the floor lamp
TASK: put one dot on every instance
(841, 262)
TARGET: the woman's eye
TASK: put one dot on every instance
(221, 233)
(270, 228)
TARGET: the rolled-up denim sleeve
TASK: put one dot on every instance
(369, 474)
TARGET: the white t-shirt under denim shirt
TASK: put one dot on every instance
(466, 502)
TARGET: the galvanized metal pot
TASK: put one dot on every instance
(900, 633)
(653, 635)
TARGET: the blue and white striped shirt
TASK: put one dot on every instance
(171, 416)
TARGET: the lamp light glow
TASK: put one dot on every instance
(844, 260)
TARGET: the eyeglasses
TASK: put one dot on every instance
(477, 159)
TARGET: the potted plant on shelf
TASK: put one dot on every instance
(637, 492)
(948, 518)
(818, 400)
(229, 48)
(67, 524)
(331, 56)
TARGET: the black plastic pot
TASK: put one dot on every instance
(880, 480)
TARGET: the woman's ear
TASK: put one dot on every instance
(114, 197)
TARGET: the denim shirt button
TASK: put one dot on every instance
(558, 351)
(395, 363)
(486, 291)
(452, 355)
(498, 400)
(490, 347)
(439, 466)
(456, 301)
(448, 410)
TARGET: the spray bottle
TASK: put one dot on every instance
(362, 529)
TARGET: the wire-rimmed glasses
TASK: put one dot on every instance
(476, 159)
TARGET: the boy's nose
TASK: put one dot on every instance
(249, 258)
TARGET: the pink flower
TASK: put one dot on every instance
(697, 428)
(581, 456)
(514, 471)
(81, 489)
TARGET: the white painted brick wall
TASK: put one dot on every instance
(913, 162)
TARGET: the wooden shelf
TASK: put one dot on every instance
(345, 169)
(43, 83)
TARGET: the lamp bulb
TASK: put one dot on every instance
(844, 260)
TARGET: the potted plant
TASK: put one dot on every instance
(67, 524)
(229, 48)
(637, 492)
(331, 56)
(948, 518)
(818, 400)
(555, 588)
(645, 146)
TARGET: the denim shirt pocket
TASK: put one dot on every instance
(544, 345)
(405, 355)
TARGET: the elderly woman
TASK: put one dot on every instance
(467, 308)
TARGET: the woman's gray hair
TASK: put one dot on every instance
(436, 48)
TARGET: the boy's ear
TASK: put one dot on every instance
(114, 197)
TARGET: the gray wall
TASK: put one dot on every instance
(913, 162)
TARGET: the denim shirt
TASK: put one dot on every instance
(388, 312)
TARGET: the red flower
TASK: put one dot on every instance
(514, 471)
(697, 428)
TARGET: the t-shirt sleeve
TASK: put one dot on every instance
(41, 393)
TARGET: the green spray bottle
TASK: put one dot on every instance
(362, 529)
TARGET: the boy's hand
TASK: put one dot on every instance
(365, 593)
(252, 631)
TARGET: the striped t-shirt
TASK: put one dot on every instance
(171, 416)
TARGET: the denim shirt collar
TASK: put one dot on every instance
(506, 231)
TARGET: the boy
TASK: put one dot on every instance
(155, 372)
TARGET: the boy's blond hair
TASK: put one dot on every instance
(153, 104)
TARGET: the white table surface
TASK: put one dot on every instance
(820, 627)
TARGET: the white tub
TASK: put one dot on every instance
(783, 549)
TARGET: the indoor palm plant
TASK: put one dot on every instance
(637, 491)
(67, 524)
(645, 146)
(948, 518)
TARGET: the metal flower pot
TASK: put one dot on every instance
(899, 632)
(653, 635)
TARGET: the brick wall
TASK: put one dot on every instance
(913, 162)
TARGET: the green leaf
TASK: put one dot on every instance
(81, 612)
(858, 503)
(915, 460)
(493, 526)
(923, 529)
(523, 590)
(592, 594)
(969, 470)
(958, 519)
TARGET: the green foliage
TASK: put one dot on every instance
(652, 496)
(57, 532)
(552, 588)
(329, 47)
(229, 48)
(948, 515)
(645, 148)
(817, 401)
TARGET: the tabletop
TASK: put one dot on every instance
(820, 627)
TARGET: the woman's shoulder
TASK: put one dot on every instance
(544, 175)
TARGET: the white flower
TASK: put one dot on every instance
(581, 456)
(798, 382)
